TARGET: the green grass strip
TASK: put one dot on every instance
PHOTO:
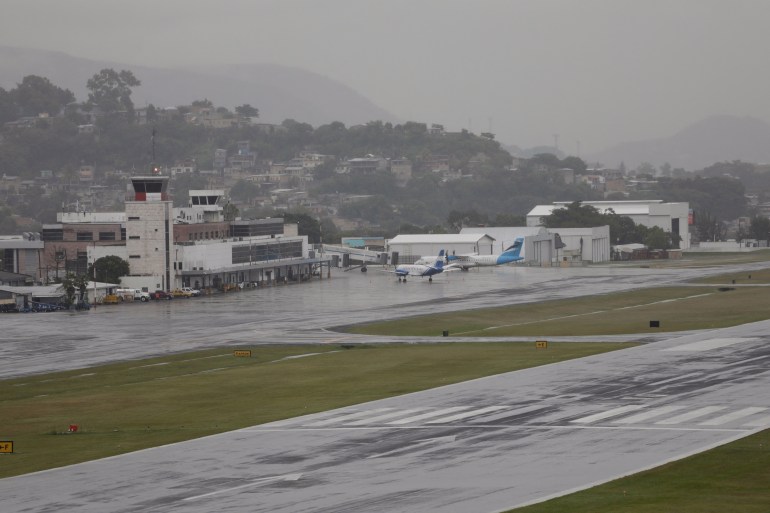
(733, 478)
(675, 309)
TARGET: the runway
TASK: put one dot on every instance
(486, 445)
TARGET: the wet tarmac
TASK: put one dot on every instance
(299, 313)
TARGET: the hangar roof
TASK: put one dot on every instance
(440, 238)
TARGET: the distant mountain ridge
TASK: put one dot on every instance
(714, 139)
(279, 92)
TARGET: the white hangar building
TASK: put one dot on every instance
(580, 244)
(410, 247)
(671, 217)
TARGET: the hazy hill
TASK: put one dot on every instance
(714, 139)
(278, 92)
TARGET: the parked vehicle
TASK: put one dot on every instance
(181, 293)
(161, 294)
(135, 294)
(193, 292)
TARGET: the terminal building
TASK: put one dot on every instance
(169, 248)
(194, 246)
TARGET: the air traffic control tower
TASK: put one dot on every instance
(149, 232)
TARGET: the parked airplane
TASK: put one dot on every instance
(512, 254)
(422, 270)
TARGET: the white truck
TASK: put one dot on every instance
(132, 294)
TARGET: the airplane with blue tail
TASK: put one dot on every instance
(422, 270)
(512, 254)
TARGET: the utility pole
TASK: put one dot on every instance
(556, 142)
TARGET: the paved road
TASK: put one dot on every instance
(485, 445)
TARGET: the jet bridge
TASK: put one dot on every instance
(348, 257)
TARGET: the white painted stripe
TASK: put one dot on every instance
(510, 413)
(760, 422)
(467, 414)
(345, 418)
(675, 378)
(729, 417)
(609, 413)
(429, 415)
(684, 417)
(386, 416)
(655, 412)
(707, 345)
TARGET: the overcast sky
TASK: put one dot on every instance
(595, 72)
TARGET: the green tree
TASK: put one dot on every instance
(247, 110)
(230, 212)
(574, 215)
(36, 95)
(244, 191)
(656, 238)
(109, 269)
(111, 91)
(760, 228)
(306, 225)
(74, 284)
(9, 109)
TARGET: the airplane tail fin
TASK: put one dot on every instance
(514, 251)
(440, 260)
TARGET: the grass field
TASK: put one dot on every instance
(133, 405)
(676, 309)
(707, 259)
(733, 478)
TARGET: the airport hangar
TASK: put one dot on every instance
(540, 244)
(671, 217)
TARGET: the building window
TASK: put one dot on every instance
(106, 235)
(133, 218)
(85, 236)
(134, 237)
(134, 256)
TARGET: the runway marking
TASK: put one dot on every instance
(429, 415)
(729, 417)
(760, 422)
(385, 416)
(609, 413)
(419, 444)
(675, 378)
(512, 413)
(262, 481)
(472, 413)
(641, 417)
(684, 417)
(345, 418)
(708, 345)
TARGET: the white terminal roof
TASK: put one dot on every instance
(439, 238)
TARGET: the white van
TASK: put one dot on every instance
(132, 294)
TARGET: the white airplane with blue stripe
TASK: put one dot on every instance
(512, 254)
(422, 270)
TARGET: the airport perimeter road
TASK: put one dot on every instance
(37, 343)
(483, 446)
